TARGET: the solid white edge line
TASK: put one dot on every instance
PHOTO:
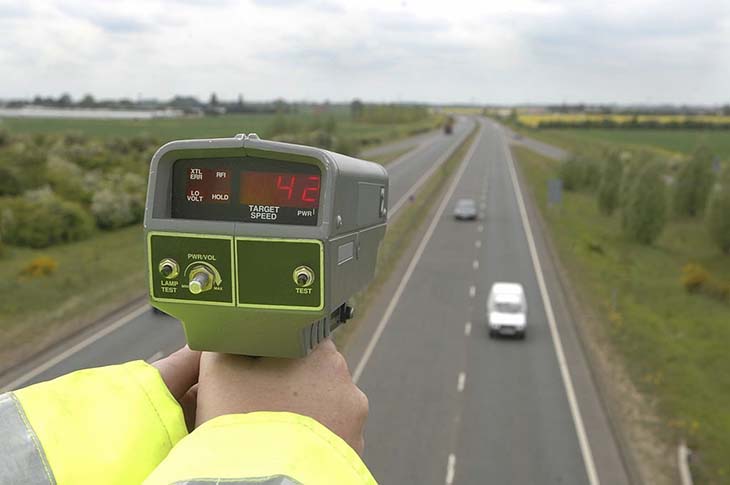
(415, 259)
(585, 447)
(19, 381)
(462, 381)
(683, 455)
(397, 206)
(450, 469)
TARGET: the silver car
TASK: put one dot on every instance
(465, 210)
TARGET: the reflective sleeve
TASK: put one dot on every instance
(264, 448)
(110, 425)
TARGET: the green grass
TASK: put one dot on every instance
(93, 277)
(214, 126)
(675, 344)
(401, 231)
(668, 141)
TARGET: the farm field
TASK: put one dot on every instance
(682, 141)
(673, 342)
(265, 125)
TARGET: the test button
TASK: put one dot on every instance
(303, 276)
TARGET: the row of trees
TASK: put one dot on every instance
(645, 192)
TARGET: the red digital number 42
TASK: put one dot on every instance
(308, 194)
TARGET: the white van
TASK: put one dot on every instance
(507, 310)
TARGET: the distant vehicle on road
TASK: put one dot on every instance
(449, 125)
(465, 210)
(507, 310)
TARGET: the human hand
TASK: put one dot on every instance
(318, 386)
(179, 371)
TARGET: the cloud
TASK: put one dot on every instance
(522, 50)
(107, 19)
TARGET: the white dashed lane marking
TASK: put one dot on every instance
(462, 381)
(475, 264)
(472, 291)
(450, 469)
(467, 329)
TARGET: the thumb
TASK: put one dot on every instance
(179, 370)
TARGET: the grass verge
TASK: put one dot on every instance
(400, 233)
(674, 344)
(92, 278)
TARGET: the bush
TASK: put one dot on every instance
(644, 215)
(571, 172)
(591, 178)
(40, 266)
(29, 165)
(608, 190)
(112, 208)
(41, 219)
(694, 183)
(628, 179)
(67, 180)
(718, 214)
(10, 183)
(580, 172)
(694, 277)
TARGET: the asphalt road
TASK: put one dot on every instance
(137, 333)
(447, 403)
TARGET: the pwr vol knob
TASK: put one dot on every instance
(201, 279)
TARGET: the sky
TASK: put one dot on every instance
(473, 51)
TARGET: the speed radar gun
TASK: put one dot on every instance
(256, 246)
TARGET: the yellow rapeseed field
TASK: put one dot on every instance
(578, 119)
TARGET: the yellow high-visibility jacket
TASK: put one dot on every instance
(120, 425)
